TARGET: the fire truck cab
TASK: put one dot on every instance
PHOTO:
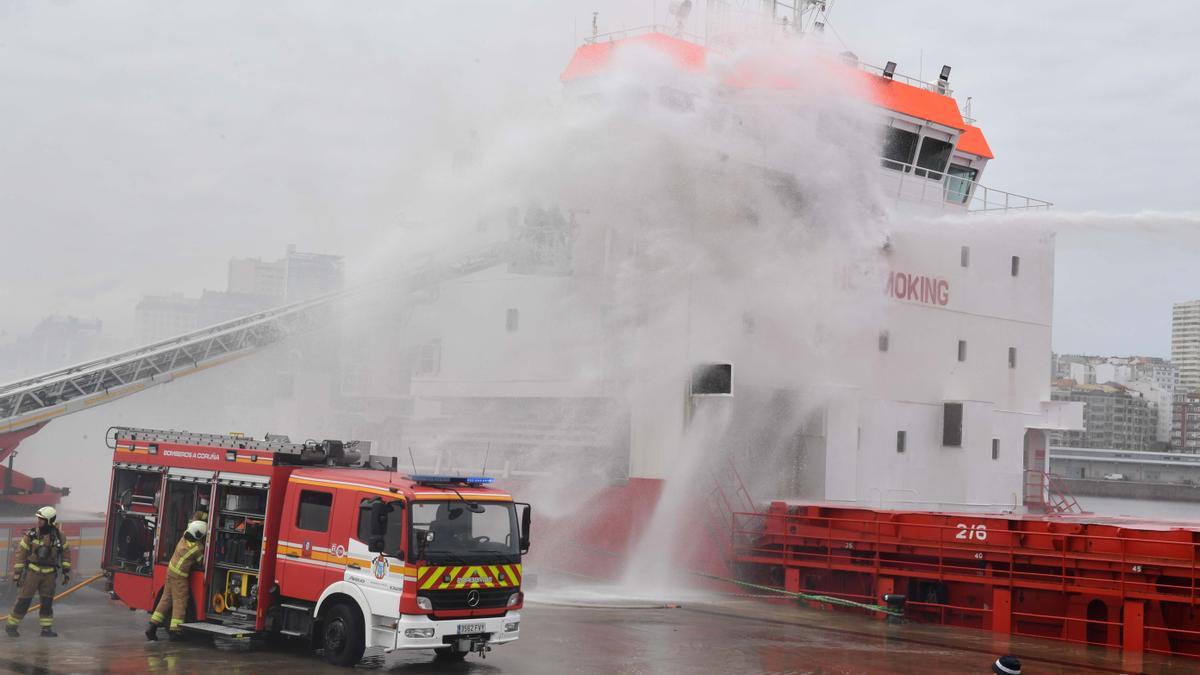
(317, 541)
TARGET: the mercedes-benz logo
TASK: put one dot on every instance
(472, 599)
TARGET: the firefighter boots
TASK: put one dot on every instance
(47, 631)
(152, 632)
(11, 631)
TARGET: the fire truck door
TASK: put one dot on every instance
(304, 538)
(345, 517)
(380, 575)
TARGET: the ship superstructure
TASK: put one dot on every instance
(937, 398)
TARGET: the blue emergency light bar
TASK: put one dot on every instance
(428, 479)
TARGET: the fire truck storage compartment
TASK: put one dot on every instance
(238, 522)
(188, 493)
(135, 500)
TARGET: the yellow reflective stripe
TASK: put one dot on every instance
(157, 618)
(431, 576)
(176, 623)
(42, 570)
(176, 566)
(25, 544)
(45, 623)
(19, 566)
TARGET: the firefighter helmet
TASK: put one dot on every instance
(197, 528)
(47, 513)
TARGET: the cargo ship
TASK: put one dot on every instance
(908, 458)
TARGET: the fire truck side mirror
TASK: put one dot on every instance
(526, 516)
(378, 519)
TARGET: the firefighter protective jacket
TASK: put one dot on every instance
(185, 557)
(44, 553)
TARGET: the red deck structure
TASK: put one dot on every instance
(1117, 582)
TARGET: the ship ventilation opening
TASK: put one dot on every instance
(1097, 627)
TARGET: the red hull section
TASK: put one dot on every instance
(595, 539)
(600, 537)
(18, 490)
(1115, 582)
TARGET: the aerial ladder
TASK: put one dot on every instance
(28, 405)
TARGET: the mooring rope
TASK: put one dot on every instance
(827, 599)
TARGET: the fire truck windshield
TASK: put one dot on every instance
(450, 532)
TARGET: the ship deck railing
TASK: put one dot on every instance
(939, 189)
(699, 40)
(1146, 564)
(626, 33)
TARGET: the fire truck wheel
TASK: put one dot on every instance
(342, 636)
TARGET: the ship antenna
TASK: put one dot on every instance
(412, 459)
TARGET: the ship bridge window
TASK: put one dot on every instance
(958, 183)
(932, 159)
(899, 148)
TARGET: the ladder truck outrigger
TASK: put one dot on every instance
(318, 541)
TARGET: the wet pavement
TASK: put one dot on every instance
(727, 636)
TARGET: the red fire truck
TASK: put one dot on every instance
(317, 541)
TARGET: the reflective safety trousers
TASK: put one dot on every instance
(42, 585)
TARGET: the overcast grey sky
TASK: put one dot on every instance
(142, 144)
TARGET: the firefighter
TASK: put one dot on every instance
(174, 599)
(43, 551)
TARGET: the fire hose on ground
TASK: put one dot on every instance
(65, 593)
(893, 611)
(825, 599)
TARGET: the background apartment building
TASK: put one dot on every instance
(1185, 343)
(1114, 417)
(1121, 395)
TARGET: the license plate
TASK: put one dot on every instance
(468, 628)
